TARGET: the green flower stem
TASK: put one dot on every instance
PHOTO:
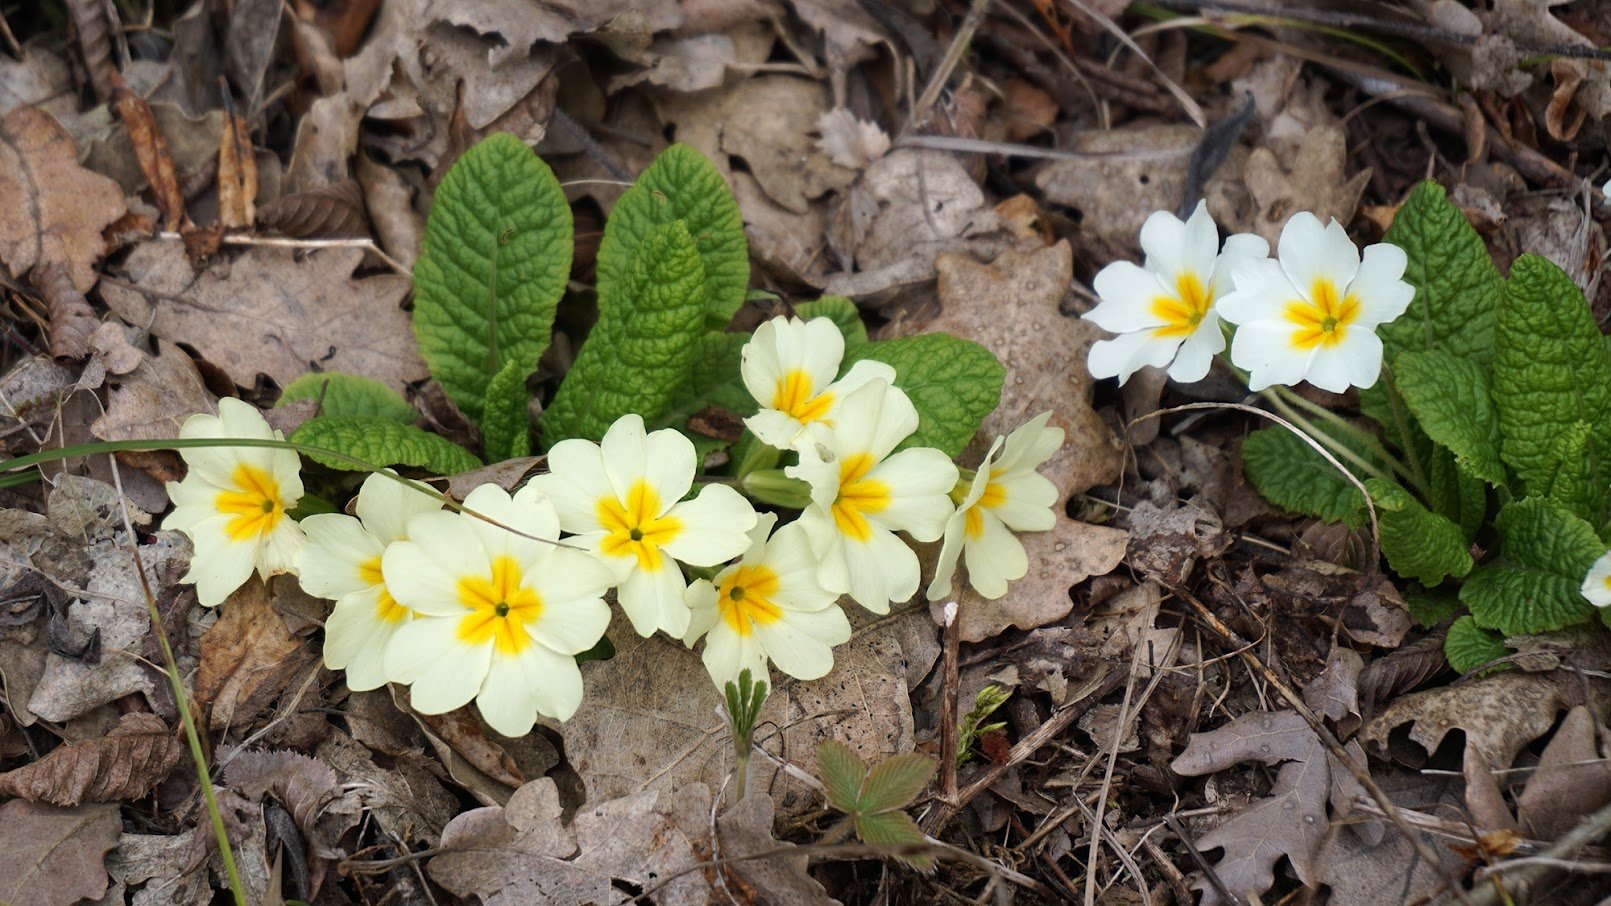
(1401, 422)
(1339, 450)
(1364, 438)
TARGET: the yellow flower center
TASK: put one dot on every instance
(255, 503)
(636, 528)
(387, 610)
(994, 495)
(500, 607)
(745, 598)
(1322, 319)
(1183, 311)
(858, 496)
(794, 397)
(1608, 582)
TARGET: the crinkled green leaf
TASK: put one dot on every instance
(682, 185)
(1568, 480)
(1535, 584)
(1291, 475)
(1469, 646)
(506, 422)
(642, 350)
(1418, 543)
(841, 311)
(1448, 393)
(1429, 608)
(349, 394)
(894, 782)
(953, 383)
(382, 442)
(713, 381)
(493, 264)
(1551, 371)
(841, 772)
(1456, 284)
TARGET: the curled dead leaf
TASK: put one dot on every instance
(51, 209)
(122, 765)
(247, 658)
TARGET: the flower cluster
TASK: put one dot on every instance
(491, 601)
(1309, 314)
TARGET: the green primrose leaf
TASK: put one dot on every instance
(1457, 287)
(384, 443)
(1429, 608)
(713, 381)
(1568, 480)
(492, 266)
(1456, 494)
(349, 394)
(1291, 475)
(682, 185)
(841, 311)
(841, 771)
(1535, 585)
(1418, 543)
(953, 384)
(1449, 395)
(1469, 646)
(642, 349)
(506, 422)
(894, 782)
(1551, 372)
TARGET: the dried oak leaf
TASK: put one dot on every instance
(53, 856)
(51, 209)
(301, 784)
(1315, 181)
(120, 766)
(1011, 307)
(1571, 780)
(1290, 822)
(154, 399)
(271, 312)
(1499, 715)
(247, 658)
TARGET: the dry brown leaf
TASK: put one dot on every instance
(471, 758)
(271, 312)
(51, 209)
(38, 78)
(247, 657)
(52, 856)
(1316, 181)
(1571, 780)
(1166, 543)
(72, 320)
(1334, 694)
(122, 765)
(851, 142)
(301, 784)
(110, 343)
(335, 210)
(1499, 715)
(154, 399)
(405, 798)
(237, 175)
(1030, 111)
(151, 150)
(389, 199)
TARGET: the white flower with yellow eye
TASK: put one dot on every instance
(232, 502)
(1164, 310)
(789, 367)
(769, 605)
(1312, 314)
(621, 499)
(499, 617)
(341, 562)
(1597, 584)
(862, 495)
(1006, 495)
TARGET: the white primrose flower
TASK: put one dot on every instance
(1007, 495)
(861, 496)
(1597, 584)
(341, 562)
(789, 367)
(621, 497)
(1312, 314)
(499, 617)
(232, 502)
(769, 605)
(1164, 310)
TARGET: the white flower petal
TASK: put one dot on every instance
(1196, 353)
(727, 654)
(859, 375)
(1239, 248)
(774, 428)
(444, 672)
(882, 570)
(820, 350)
(386, 504)
(568, 624)
(1029, 502)
(1262, 292)
(715, 527)
(919, 480)
(1126, 291)
(702, 610)
(671, 466)
(1128, 353)
(759, 365)
(799, 644)
(423, 574)
(873, 420)
(1029, 445)
(1597, 584)
(519, 687)
(1260, 344)
(575, 482)
(655, 600)
(1379, 285)
(945, 566)
(219, 565)
(355, 640)
(994, 558)
(1310, 252)
(516, 527)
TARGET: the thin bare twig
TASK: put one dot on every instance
(1506, 877)
(284, 242)
(1192, 108)
(951, 653)
(948, 64)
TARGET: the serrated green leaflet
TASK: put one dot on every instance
(841, 311)
(506, 422)
(1551, 371)
(1449, 396)
(1291, 475)
(1536, 584)
(682, 185)
(642, 349)
(1456, 284)
(1469, 646)
(841, 771)
(1418, 543)
(953, 383)
(492, 266)
(382, 442)
(894, 782)
(349, 394)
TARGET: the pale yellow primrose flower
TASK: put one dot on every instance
(861, 495)
(1597, 584)
(769, 605)
(1007, 495)
(621, 497)
(1164, 311)
(498, 617)
(341, 562)
(1312, 314)
(232, 502)
(789, 366)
